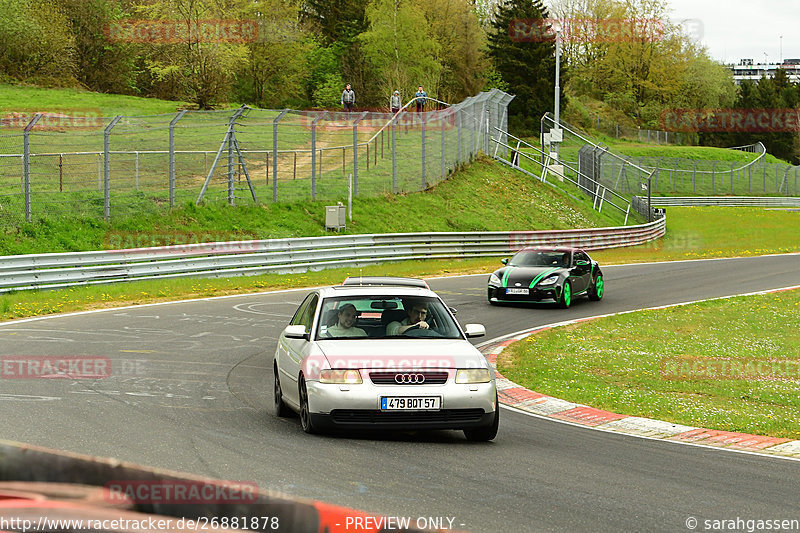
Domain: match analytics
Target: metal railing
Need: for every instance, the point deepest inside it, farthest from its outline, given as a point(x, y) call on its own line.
point(596, 191)
point(726, 201)
point(51, 271)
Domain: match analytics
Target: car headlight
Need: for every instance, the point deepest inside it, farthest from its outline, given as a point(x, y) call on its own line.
point(549, 281)
point(341, 377)
point(494, 280)
point(473, 375)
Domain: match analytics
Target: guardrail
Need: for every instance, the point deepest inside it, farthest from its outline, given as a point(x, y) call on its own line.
point(223, 259)
point(729, 201)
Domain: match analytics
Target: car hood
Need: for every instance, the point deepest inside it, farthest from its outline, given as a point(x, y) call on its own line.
point(512, 275)
point(401, 354)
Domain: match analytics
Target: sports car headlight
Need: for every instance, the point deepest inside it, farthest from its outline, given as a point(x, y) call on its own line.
point(473, 375)
point(549, 281)
point(341, 377)
point(494, 280)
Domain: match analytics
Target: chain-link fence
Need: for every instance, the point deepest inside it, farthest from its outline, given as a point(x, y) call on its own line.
point(127, 166)
point(619, 131)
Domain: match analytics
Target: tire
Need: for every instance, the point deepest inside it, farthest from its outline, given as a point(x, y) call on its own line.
point(566, 296)
point(486, 433)
point(279, 407)
point(305, 416)
point(489, 297)
point(597, 289)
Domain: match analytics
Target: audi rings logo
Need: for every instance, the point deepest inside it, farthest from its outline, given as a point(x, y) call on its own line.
point(403, 379)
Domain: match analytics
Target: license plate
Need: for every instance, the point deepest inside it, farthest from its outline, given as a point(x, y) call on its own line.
point(408, 403)
point(516, 291)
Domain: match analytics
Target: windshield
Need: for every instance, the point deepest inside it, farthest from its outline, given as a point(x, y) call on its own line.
point(541, 258)
point(383, 316)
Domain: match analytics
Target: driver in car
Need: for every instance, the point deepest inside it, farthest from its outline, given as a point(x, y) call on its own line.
point(417, 313)
point(345, 324)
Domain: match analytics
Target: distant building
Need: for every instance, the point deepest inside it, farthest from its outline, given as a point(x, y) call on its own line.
point(747, 70)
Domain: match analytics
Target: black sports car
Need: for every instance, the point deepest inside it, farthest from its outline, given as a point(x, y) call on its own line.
point(547, 274)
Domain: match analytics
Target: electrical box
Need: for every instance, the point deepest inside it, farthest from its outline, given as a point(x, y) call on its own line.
point(336, 217)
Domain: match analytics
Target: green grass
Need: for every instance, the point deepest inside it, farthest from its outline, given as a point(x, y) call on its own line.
point(646, 364)
point(473, 199)
point(709, 232)
point(25, 98)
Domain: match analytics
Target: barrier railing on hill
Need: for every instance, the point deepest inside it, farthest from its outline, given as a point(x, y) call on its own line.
point(223, 259)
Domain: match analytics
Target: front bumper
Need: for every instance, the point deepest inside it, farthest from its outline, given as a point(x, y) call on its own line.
point(463, 406)
point(550, 294)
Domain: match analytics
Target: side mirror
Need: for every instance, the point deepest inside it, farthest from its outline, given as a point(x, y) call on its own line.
point(296, 332)
point(474, 330)
point(504, 260)
point(453, 310)
point(581, 263)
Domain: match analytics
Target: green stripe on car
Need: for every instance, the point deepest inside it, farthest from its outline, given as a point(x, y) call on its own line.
point(541, 276)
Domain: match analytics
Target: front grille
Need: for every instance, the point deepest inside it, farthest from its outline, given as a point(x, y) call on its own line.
point(369, 416)
point(388, 378)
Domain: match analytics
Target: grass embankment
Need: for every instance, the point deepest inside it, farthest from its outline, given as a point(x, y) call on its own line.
point(730, 364)
point(21, 98)
point(484, 196)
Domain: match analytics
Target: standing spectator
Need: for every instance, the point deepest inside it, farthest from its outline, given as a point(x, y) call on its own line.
point(419, 99)
point(348, 98)
point(395, 102)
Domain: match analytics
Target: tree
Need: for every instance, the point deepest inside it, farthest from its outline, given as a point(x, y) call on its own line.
point(527, 66)
point(399, 47)
point(36, 42)
point(101, 65)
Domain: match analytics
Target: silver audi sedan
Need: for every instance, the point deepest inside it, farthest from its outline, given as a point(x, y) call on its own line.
point(383, 353)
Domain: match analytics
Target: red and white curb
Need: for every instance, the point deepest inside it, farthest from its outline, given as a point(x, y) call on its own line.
point(518, 397)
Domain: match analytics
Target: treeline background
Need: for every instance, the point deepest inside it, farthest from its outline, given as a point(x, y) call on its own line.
point(308, 50)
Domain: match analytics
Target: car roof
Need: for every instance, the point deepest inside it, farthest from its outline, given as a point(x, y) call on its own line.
point(385, 280)
point(375, 290)
point(560, 249)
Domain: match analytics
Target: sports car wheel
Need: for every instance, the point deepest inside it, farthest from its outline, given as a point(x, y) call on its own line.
point(279, 407)
point(485, 433)
point(305, 416)
point(597, 289)
point(566, 295)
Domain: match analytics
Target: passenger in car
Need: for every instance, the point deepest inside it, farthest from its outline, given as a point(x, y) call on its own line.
point(345, 325)
point(417, 313)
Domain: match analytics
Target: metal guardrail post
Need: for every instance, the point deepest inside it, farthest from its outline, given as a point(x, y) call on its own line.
point(355, 152)
point(172, 124)
point(26, 164)
point(275, 154)
point(107, 167)
point(314, 154)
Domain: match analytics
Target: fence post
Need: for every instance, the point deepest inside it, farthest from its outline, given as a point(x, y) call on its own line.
point(26, 164)
point(171, 159)
point(275, 154)
point(458, 127)
point(733, 164)
point(394, 153)
point(694, 178)
point(713, 178)
point(444, 145)
point(355, 152)
point(314, 154)
point(107, 167)
point(749, 179)
point(422, 118)
point(231, 195)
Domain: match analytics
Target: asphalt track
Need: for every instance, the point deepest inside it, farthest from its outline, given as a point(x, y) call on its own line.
point(191, 383)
